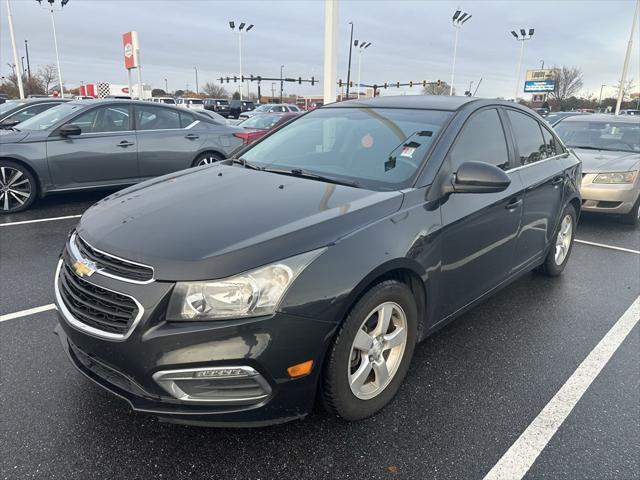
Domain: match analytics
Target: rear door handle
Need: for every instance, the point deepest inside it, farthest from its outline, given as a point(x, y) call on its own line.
point(191, 136)
point(125, 143)
point(513, 204)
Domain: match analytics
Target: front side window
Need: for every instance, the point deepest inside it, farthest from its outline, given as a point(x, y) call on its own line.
point(112, 118)
point(552, 148)
point(156, 118)
point(50, 117)
point(378, 148)
point(482, 140)
point(32, 111)
point(601, 134)
point(528, 137)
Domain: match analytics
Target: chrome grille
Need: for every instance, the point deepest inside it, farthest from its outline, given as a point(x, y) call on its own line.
point(113, 266)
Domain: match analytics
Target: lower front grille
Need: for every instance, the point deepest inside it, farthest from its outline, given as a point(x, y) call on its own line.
point(94, 306)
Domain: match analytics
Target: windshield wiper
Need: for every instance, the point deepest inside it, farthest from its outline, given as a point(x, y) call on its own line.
point(584, 147)
point(298, 172)
point(245, 164)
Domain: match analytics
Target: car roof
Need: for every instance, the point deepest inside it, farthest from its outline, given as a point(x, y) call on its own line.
point(604, 117)
point(427, 102)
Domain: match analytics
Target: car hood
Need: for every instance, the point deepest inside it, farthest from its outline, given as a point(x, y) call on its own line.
point(595, 161)
point(216, 221)
point(12, 136)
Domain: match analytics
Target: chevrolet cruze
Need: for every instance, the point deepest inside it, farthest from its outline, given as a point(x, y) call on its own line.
point(309, 265)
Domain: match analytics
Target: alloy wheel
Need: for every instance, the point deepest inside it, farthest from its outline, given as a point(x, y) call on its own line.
point(563, 240)
point(15, 189)
point(207, 160)
point(377, 350)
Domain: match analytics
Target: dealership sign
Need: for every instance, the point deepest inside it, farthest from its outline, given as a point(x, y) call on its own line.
point(531, 86)
point(131, 49)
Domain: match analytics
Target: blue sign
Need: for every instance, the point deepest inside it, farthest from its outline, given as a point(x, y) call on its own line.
point(535, 86)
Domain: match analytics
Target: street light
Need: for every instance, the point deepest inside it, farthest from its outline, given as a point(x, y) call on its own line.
point(522, 37)
point(15, 51)
point(166, 86)
point(362, 46)
point(197, 90)
point(281, 83)
point(55, 39)
point(349, 66)
point(241, 29)
point(459, 18)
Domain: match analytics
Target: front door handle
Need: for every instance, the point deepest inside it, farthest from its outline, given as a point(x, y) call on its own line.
point(125, 143)
point(191, 136)
point(557, 181)
point(513, 204)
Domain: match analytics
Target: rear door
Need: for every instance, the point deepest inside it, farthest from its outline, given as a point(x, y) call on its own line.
point(104, 153)
point(479, 229)
point(542, 174)
point(168, 139)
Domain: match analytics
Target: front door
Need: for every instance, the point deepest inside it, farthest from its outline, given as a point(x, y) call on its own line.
point(104, 153)
point(479, 229)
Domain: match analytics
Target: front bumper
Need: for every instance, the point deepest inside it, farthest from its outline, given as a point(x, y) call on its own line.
point(266, 346)
point(608, 198)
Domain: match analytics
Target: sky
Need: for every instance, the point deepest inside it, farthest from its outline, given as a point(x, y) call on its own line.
point(411, 40)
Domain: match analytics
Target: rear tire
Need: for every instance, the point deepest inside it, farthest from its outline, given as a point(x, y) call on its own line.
point(633, 217)
point(207, 158)
point(372, 352)
point(560, 250)
point(18, 187)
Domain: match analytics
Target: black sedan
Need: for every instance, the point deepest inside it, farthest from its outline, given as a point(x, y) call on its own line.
point(13, 112)
point(312, 264)
point(104, 143)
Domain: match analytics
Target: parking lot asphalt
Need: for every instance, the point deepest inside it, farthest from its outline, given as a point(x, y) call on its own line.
point(472, 390)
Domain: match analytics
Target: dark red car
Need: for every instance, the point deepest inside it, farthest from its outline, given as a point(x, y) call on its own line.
point(260, 124)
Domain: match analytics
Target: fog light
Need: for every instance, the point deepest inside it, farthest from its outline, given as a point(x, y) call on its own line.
point(300, 369)
point(228, 385)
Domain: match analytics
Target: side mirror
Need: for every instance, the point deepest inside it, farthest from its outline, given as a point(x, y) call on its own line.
point(9, 122)
point(479, 177)
point(70, 129)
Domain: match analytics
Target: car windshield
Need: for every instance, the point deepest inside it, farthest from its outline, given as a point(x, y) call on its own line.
point(168, 100)
point(10, 105)
point(377, 148)
point(601, 135)
point(50, 117)
point(222, 102)
point(264, 121)
point(262, 108)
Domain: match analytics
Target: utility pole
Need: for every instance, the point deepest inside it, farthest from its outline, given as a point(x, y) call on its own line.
point(281, 83)
point(15, 51)
point(166, 86)
point(329, 91)
point(26, 48)
point(626, 58)
point(349, 67)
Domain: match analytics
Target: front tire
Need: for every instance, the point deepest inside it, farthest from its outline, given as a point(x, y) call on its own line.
point(371, 353)
point(18, 187)
point(633, 217)
point(560, 250)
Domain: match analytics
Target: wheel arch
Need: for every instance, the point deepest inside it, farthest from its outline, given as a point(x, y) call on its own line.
point(208, 150)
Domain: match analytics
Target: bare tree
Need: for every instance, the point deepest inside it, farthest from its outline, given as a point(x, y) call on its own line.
point(568, 83)
point(434, 89)
point(214, 91)
point(47, 75)
point(627, 89)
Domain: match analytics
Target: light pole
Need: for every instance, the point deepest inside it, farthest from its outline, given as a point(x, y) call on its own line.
point(166, 86)
point(459, 18)
point(349, 67)
point(241, 28)
point(362, 46)
point(627, 57)
point(55, 40)
point(600, 97)
point(281, 83)
point(26, 48)
point(542, 65)
point(273, 90)
point(521, 37)
point(15, 51)
point(197, 90)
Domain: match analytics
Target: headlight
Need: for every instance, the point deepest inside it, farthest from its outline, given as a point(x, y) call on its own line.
point(250, 294)
point(615, 177)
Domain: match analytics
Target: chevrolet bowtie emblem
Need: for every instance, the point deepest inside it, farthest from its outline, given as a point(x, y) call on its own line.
point(84, 268)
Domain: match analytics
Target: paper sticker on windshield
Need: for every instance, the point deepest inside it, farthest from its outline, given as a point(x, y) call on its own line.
point(407, 151)
point(367, 141)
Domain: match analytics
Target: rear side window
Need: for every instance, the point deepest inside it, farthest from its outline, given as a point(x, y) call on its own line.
point(156, 118)
point(528, 136)
point(482, 140)
point(186, 119)
point(552, 147)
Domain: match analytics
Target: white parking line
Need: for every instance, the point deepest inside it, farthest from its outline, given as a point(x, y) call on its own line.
point(612, 247)
point(24, 313)
point(517, 461)
point(9, 224)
